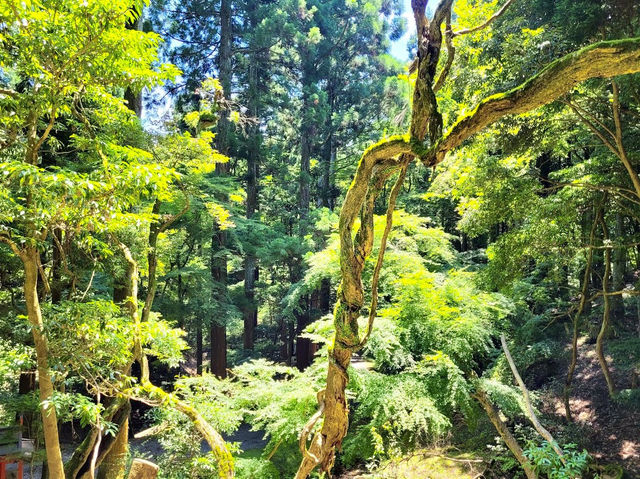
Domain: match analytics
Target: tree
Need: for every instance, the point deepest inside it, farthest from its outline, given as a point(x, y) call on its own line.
point(63, 59)
point(427, 142)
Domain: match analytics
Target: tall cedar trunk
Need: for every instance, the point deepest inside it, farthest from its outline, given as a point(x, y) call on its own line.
point(327, 193)
point(325, 297)
point(218, 330)
point(49, 418)
point(219, 352)
point(285, 354)
point(307, 136)
point(218, 355)
point(250, 313)
point(327, 198)
point(198, 344)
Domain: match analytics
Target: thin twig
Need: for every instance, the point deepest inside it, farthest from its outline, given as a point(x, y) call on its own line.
point(488, 22)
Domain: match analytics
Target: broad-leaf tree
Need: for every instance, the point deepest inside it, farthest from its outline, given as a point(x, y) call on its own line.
point(63, 64)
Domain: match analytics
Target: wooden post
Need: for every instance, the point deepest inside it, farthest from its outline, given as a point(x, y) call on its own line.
point(141, 469)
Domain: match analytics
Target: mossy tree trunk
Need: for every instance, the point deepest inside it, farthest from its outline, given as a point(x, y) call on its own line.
point(156, 395)
point(55, 466)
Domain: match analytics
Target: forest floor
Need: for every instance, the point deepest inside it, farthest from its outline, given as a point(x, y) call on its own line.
point(609, 430)
point(426, 464)
point(151, 449)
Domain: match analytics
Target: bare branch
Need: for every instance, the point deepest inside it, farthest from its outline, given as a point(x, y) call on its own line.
point(47, 130)
point(582, 115)
point(592, 117)
point(531, 413)
point(622, 152)
point(488, 22)
point(451, 53)
point(7, 92)
point(383, 244)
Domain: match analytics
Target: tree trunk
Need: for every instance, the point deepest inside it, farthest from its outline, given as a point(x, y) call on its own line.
point(56, 268)
point(327, 197)
point(505, 434)
point(219, 241)
point(256, 59)
point(218, 328)
point(115, 462)
point(619, 262)
point(285, 353)
point(49, 418)
point(134, 100)
point(307, 134)
point(582, 309)
point(304, 353)
point(219, 350)
point(250, 312)
point(198, 344)
point(604, 327)
point(159, 396)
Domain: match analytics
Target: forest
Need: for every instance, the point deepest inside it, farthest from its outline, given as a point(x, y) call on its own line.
point(281, 239)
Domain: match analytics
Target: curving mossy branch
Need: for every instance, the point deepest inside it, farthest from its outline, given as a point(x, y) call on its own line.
point(601, 60)
point(426, 142)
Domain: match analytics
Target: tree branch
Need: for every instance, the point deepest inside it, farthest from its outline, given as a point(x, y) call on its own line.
point(600, 60)
point(488, 22)
point(7, 92)
point(531, 413)
point(622, 152)
point(14, 247)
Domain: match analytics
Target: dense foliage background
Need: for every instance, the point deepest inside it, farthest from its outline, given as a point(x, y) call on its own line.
point(171, 176)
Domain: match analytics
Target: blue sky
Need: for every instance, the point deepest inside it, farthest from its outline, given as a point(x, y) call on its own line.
point(399, 47)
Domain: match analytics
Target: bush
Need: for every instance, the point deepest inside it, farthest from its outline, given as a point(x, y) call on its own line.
point(546, 460)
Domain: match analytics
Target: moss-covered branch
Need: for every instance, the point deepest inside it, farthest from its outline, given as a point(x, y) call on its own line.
point(600, 60)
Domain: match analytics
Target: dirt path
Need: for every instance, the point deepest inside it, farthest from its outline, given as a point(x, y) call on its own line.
point(610, 431)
